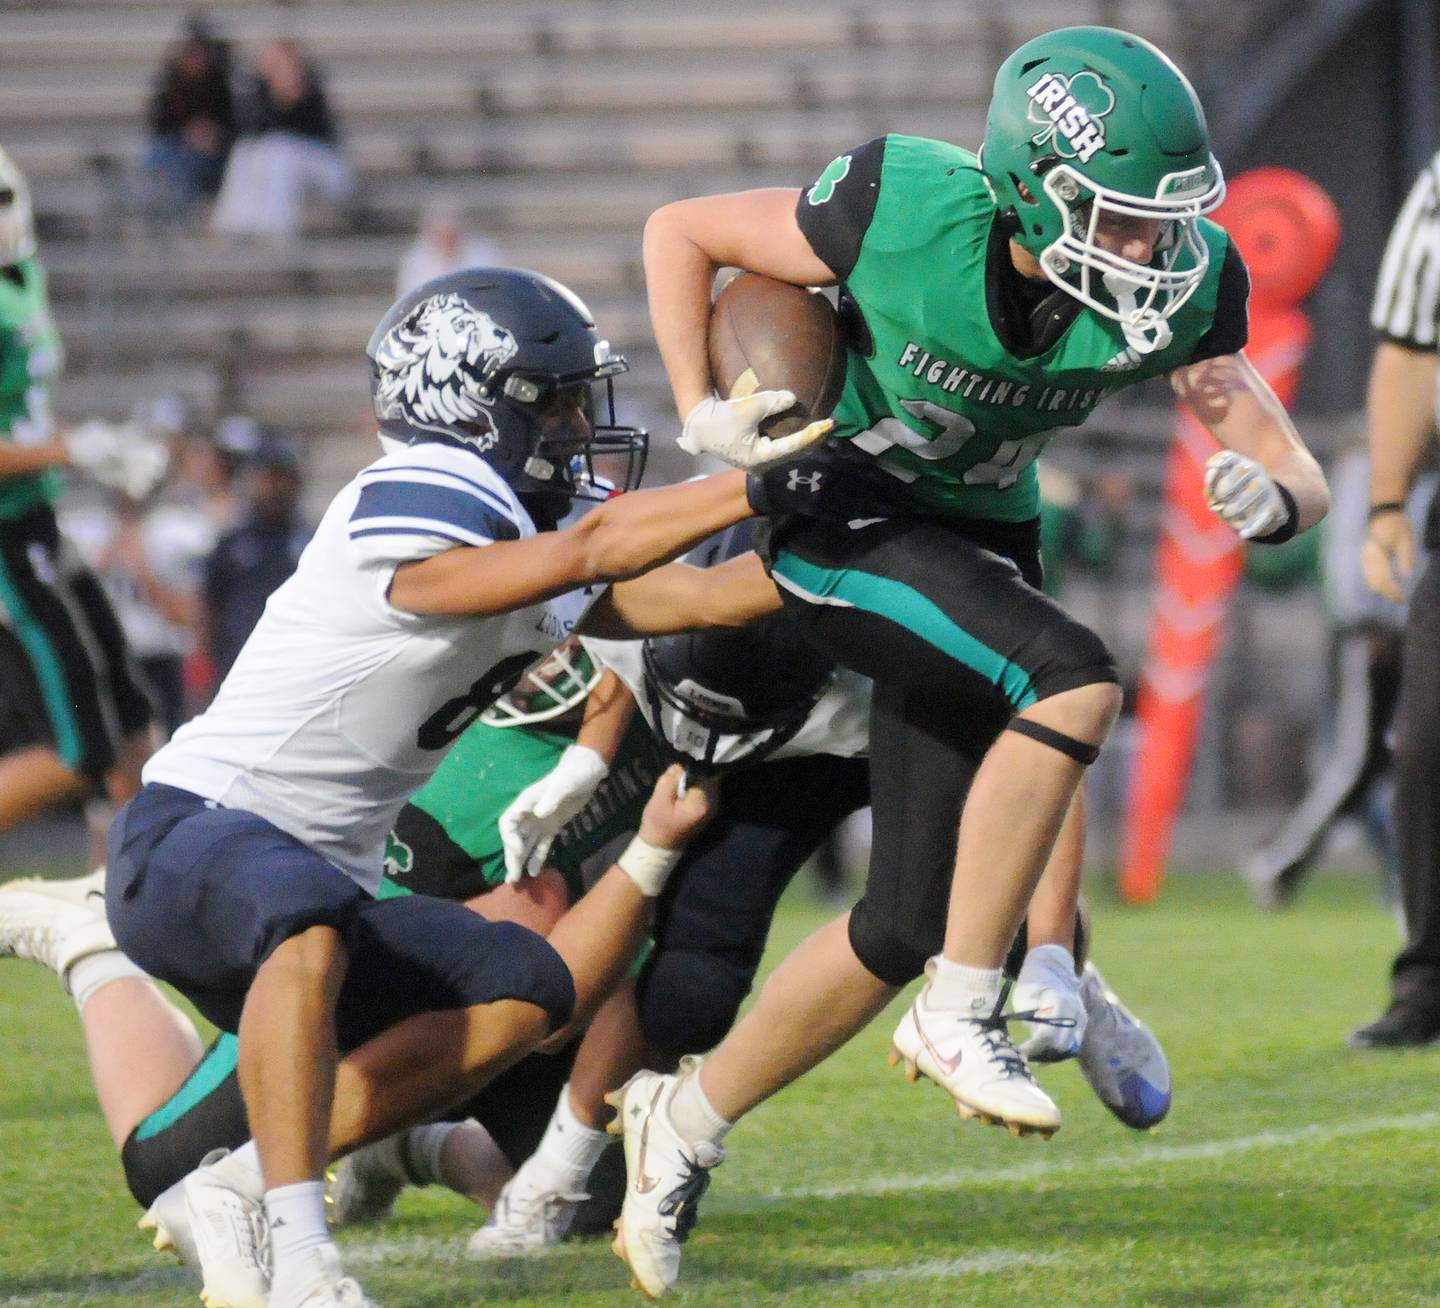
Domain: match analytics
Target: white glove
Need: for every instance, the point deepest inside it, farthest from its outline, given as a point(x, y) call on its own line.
point(730, 430)
point(1049, 988)
point(537, 814)
point(1243, 495)
point(122, 456)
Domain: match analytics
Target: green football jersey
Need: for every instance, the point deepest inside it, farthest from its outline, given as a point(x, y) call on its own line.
point(477, 781)
point(29, 360)
point(937, 396)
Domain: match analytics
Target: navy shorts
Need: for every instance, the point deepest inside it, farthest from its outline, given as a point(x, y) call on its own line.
point(199, 896)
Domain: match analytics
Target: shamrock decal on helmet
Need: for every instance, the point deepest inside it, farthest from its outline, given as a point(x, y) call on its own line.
point(1069, 111)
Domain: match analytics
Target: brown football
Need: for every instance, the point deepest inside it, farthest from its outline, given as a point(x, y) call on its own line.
point(767, 335)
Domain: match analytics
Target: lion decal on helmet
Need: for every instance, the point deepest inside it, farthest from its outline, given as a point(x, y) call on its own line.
point(436, 365)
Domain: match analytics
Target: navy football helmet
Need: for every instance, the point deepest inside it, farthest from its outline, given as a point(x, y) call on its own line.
point(733, 695)
point(505, 362)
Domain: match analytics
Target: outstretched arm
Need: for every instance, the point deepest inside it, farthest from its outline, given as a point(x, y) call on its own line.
point(682, 598)
point(620, 538)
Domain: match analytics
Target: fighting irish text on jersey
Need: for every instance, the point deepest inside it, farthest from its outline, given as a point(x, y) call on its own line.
point(933, 392)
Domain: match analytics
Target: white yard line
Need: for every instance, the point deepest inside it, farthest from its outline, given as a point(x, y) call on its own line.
point(450, 1249)
point(943, 1269)
point(1042, 1169)
point(143, 1285)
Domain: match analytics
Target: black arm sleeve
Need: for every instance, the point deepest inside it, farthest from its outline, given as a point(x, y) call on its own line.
point(835, 212)
point(1231, 327)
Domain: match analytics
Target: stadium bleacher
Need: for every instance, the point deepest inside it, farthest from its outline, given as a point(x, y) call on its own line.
point(557, 128)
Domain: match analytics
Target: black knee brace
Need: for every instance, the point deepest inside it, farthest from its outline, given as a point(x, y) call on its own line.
point(687, 1000)
point(1079, 750)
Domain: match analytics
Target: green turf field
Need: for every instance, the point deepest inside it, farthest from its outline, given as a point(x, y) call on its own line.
point(1290, 1172)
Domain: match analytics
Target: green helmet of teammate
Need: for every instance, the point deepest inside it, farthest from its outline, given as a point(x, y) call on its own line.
point(1088, 124)
point(17, 222)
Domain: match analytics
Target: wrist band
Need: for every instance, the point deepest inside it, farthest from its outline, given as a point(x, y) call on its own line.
point(1389, 506)
point(1287, 529)
point(647, 865)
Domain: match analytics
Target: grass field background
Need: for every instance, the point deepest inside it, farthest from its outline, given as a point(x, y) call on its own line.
point(1290, 1172)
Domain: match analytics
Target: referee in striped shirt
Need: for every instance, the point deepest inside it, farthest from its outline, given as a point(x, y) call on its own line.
point(1401, 421)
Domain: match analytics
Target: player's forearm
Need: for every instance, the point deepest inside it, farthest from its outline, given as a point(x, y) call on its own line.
point(632, 533)
point(682, 598)
point(1237, 406)
point(1400, 409)
point(678, 277)
point(19, 460)
point(609, 709)
point(1298, 472)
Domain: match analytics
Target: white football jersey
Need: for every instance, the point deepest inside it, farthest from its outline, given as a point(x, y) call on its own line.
point(340, 706)
point(838, 724)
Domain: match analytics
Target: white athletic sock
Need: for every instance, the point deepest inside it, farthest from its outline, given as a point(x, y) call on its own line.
point(420, 1152)
point(297, 1223)
point(568, 1151)
point(953, 985)
point(94, 972)
point(693, 1115)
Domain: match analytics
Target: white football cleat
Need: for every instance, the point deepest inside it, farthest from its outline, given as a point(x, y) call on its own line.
point(323, 1286)
point(1121, 1058)
point(53, 923)
point(86, 892)
point(167, 1218)
point(360, 1190)
point(665, 1180)
point(1047, 999)
point(528, 1217)
point(230, 1235)
point(969, 1054)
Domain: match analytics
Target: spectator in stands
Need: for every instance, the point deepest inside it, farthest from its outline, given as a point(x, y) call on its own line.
point(251, 561)
point(149, 558)
point(288, 149)
point(191, 119)
point(443, 245)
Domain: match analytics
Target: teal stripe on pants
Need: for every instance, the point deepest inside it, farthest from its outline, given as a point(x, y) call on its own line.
point(888, 598)
point(49, 671)
point(208, 1074)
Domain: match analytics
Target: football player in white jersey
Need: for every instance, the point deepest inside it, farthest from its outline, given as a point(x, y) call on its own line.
point(243, 872)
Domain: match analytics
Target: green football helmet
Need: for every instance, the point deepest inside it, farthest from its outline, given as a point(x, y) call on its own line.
point(548, 689)
point(17, 221)
point(1088, 123)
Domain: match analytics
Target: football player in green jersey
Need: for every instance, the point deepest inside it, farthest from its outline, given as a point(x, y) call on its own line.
point(74, 718)
point(992, 299)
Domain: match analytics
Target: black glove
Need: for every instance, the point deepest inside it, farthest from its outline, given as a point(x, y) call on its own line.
point(825, 483)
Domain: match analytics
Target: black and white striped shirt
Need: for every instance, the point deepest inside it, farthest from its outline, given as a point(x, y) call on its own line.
point(1406, 309)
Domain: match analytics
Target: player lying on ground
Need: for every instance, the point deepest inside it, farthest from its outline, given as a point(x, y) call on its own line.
point(244, 872)
point(993, 300)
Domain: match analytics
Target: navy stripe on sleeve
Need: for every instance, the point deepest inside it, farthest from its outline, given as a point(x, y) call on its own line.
point(440, 505)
